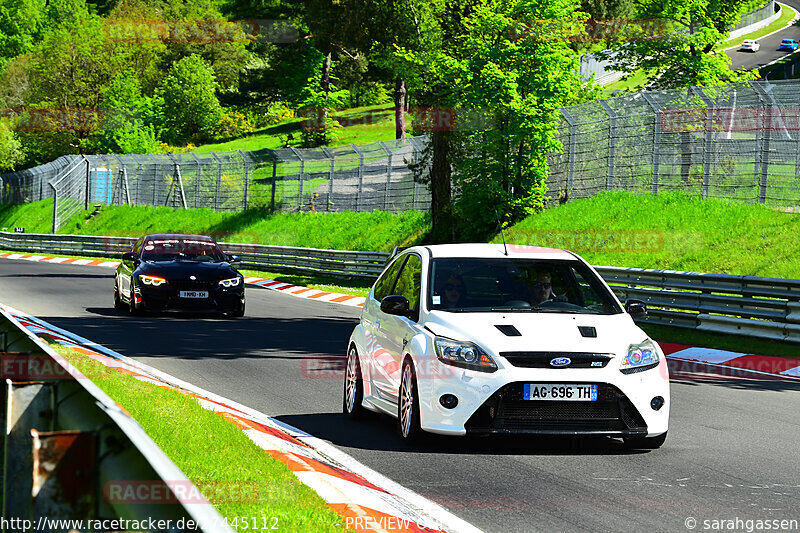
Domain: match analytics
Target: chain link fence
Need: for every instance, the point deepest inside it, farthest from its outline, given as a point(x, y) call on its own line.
point(737, 141)
point(355, 178)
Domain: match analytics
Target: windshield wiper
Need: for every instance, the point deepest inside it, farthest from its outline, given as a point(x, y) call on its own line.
point(516, 309)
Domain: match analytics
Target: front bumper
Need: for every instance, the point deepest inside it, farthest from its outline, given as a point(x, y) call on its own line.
point(492, 403)
point(165, 298)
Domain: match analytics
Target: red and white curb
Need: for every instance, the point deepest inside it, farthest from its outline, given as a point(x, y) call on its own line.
point(286, 288)
point(367, 500)
point(685, 360)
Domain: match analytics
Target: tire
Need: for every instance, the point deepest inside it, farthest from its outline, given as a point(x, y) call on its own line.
point(353, 386)
point(408, 405)
point(132, 304)
point(238, 313)
point(119, 305)
point(645, 443)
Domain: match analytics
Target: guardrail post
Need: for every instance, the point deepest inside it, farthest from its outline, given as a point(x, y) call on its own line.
point(330, 176)
point(274, 180)
point(300, 182)
point(612, 142)
point(388, 175)
point(219, 180)
point(246, 179)
point(709, 139)
point(360, 177)
point(656, 138)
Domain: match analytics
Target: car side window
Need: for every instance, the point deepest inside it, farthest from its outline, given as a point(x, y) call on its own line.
point(409, 282)
point(385, 283)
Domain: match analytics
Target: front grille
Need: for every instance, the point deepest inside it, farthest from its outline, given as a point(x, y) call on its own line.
point(507, 411)
point(542, 359)
point(192, 285)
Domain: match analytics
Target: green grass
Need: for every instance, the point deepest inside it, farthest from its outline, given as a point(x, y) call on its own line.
point(376, 230)
point(360, 125)
point(352, 286)
point(671, 231)
point(636, 81)
point(202, 443)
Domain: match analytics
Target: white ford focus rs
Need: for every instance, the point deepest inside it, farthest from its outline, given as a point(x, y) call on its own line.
point(474, 338)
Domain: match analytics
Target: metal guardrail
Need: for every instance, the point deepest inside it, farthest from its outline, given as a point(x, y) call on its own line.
point(65, 442)
point(767, 308)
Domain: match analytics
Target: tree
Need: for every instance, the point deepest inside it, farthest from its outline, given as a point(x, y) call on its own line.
point(131, 121)
point(11, 153)
point(191, 108)
point(676, 49)
point(505, 87)
point(21, 25)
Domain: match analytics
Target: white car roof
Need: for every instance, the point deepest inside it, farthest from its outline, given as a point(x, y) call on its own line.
point(484, 250)
point(749, 41)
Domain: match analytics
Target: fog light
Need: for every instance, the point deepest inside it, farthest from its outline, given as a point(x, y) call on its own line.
point(657, 403)
point(448, 401)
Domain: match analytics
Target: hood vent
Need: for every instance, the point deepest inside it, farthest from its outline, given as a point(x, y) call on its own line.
point(509, 330)
point(588, 331)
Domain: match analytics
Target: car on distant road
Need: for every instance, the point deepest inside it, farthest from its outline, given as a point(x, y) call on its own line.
point(789, 45)
point(749, 45)
point(178, 272)
point(483, 339)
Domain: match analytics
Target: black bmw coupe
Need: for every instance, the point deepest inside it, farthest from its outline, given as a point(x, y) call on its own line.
point(178, 272)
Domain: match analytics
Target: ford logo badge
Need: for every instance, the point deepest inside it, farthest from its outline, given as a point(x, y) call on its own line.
point(560, 361)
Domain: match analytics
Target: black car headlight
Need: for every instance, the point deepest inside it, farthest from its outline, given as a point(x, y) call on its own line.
point(231, 282)
point(155, 281)
point(463, 354)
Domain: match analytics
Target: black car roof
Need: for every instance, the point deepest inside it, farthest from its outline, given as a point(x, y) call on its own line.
point(178, 236)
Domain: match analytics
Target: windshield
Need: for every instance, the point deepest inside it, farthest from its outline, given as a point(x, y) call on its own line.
point(517, 285)
point(182, 249)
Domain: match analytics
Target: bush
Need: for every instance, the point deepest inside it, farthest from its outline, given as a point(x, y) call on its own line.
point(233, 124)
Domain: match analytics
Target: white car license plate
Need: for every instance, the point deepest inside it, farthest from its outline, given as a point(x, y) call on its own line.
point(562, 392)
point(193, 294)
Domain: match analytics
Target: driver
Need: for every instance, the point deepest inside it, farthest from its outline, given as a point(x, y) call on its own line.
point(540, 287)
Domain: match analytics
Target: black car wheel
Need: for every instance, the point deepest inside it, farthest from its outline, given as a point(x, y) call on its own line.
point(119, 305)
point(239, 312)
point(408, 406)
point(353, 386)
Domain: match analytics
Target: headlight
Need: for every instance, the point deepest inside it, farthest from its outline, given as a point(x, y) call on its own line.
point(463, 354)
point(640, 357)
point(155, 281)
point(232, 282)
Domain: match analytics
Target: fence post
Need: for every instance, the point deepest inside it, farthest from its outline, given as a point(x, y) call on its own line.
point(709, 139)
point(766, 129)
point(656, 137)
point(124, 172)
point(330, 176)
point(612, 142)
point(197, 180)
point(388, 175)
point(55, 207)
point(360, 177)
point(302, 172)
point(86, 195)
point(219, 180)
point(573, 141)
point(416, 150)
point(179, 178)
point(246, 179)
point(274, 180)
point(155, 179)
point(138, 177)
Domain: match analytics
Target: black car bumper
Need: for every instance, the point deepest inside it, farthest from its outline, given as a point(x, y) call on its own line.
point(167, 298)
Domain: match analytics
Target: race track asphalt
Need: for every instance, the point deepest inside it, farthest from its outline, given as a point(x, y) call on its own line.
point(769, 46)
point(731, 452)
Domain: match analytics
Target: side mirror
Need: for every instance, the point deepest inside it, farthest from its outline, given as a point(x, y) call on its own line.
point(395, 305)
point(636, 308)
point(234, 259)
point(129, 256)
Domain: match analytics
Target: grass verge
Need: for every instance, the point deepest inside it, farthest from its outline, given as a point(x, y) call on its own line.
point(201, 443)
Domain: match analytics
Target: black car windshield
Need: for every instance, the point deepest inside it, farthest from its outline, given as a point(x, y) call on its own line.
point(182, 249)
point(473, 285)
